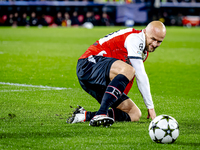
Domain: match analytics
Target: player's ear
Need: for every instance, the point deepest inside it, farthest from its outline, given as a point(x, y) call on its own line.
point(144, 30)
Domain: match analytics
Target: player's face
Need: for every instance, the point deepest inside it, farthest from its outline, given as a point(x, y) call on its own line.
point(153, 40)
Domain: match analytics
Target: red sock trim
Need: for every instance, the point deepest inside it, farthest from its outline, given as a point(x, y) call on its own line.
point(85, 116)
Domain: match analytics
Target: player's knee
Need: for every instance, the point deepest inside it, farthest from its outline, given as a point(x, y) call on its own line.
point(136, 115)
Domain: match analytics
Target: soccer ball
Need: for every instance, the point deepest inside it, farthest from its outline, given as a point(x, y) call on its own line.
point(164, 129)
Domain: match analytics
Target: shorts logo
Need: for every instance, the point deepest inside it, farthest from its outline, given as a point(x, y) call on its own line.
point(91, 59)
point(141, 46)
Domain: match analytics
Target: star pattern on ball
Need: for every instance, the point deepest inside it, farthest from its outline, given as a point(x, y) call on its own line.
point(166, 117)
point(168, 131)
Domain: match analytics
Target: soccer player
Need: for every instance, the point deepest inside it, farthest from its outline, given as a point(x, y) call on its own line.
point(107, 69)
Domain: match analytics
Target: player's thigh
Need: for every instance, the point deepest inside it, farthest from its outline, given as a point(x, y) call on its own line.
point(131, 109)
point(120, 67)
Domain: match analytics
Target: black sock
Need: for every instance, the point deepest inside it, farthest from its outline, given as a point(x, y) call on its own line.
point(114, 113)
point(113, 92)
point(118, 115)
point(90, 115)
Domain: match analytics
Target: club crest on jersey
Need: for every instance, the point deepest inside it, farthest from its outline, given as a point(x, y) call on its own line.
point(141, 46)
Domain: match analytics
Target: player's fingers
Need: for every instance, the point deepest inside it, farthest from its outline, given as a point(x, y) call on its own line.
point(148, 116)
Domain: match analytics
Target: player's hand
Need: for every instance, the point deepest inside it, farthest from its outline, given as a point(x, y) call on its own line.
point(151, 113)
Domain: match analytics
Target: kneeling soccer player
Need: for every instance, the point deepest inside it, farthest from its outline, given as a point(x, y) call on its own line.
point(107, 69)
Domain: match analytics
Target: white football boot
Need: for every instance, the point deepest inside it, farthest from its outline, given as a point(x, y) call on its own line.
point(79, 115)
point(101, 120)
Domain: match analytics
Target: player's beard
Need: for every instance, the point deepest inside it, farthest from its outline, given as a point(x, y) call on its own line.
point(150, 48)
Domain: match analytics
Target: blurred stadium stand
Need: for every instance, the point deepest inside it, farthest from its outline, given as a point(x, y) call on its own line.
point(99, 12)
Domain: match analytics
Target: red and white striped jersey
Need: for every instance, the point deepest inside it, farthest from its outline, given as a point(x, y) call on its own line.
point(122, 44)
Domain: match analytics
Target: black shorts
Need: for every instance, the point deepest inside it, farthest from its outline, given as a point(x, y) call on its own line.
point(93, 75)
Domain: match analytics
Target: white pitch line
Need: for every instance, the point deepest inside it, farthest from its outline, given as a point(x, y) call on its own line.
point(23, 90)
point(36, 86)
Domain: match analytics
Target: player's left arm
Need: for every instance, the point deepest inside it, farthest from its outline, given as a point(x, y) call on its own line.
point(143, 85)
point(136, 57)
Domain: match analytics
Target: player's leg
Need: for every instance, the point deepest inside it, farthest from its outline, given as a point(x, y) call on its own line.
point(129, 107)
point(124, 109)
point(120, 67)
point(93, 75)
point(120, 74)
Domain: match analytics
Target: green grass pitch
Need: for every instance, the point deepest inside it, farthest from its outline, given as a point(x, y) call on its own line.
point(33, 112)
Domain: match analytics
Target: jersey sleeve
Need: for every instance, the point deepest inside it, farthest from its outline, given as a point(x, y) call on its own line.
point(135, 46)
point(142, 82)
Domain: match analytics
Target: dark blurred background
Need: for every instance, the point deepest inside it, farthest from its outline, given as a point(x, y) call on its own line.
point(99, 12)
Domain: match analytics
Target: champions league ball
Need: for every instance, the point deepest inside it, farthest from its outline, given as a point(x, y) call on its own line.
point(164, 129)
